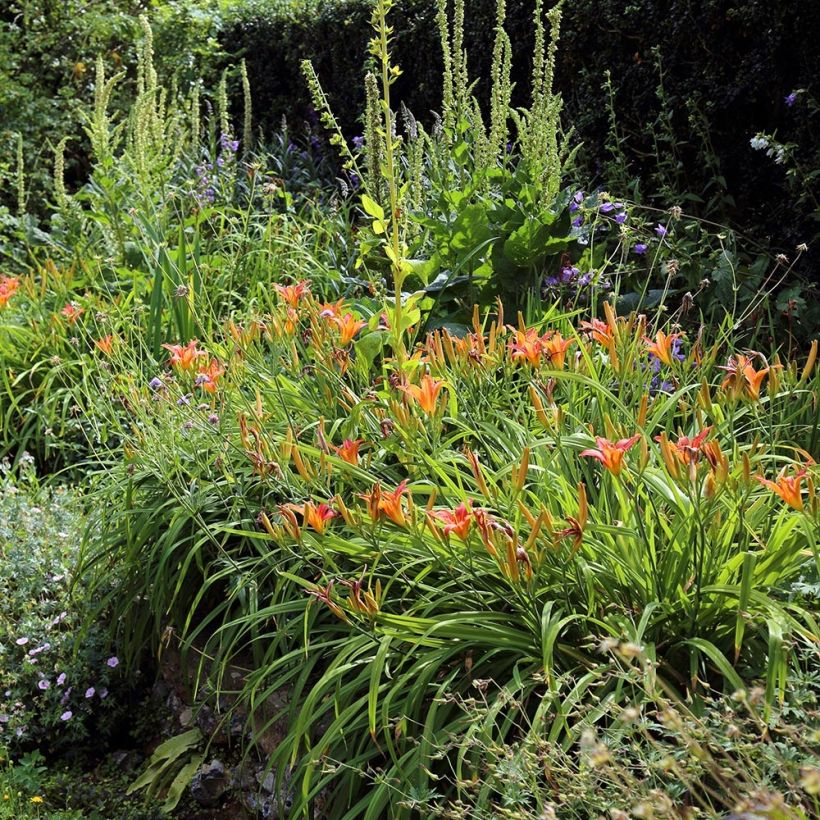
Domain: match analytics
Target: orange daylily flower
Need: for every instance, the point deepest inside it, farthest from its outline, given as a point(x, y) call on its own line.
point(556, 348)
point(71, 313)
point(528, 346)
point(348, 326)
point(426, 394)
point(389, 504)
point(8, 287)
point(208, 377)
point(685, 449)
point(611, 453)
point(314, 516)
point(576, 527)
point(742, 376)
point(293, 294)
point(323, 594)
point(362, 600)
point(456, 521)
point(599, 330)
point(184, 357)
point(105, 345)
point(787, 487)
point(661, 347)
point(754, 379)
point(331, 310)
point(349, 450)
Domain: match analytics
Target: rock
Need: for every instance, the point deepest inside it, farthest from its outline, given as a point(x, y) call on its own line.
point(206, 720)
point(126, 760)
point(209, 783)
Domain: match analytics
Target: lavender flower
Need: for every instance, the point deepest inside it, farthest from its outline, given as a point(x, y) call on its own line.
point(660, 230)
point(21, 641)
point(227, 144)
point(43, 684)
point(155, 383)
point(640, 248)
point(790, 99)
point(89, 693)
point(61, 679)
point(607, 207)
point(578, 221)
point(620, 218)
point(113, 661)
point(103, 693)
point(67, 715)
point(358, 142)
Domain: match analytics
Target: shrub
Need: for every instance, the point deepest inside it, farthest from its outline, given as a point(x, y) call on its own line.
point(57, 691)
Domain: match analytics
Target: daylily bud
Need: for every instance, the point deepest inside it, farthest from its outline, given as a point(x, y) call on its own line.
point(807, 370)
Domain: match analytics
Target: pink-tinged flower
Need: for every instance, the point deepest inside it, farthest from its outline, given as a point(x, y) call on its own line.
point(67, 715)
point(313, 515)
point(61, 679)
point(456, 521)
point(43, 684)
point(528, 346)
point(89, 693)
point(184, 357)
point(113, 661)
point(685, 449)
point(21, 641)
point(71, 313)
point(293, 294)
point(598, 330)
point(611, 454)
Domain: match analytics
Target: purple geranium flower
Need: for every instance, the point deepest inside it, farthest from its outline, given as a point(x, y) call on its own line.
point(358, 142)
point(113, 661)
point(660, 230)
point(790, 99)
point(578, 221)
point(640, 248)
point(607, 207)
point(21, 641)
point(89, 693)
point(67, 715)
point(155, 383)
point(43, 684)
point(61, 679)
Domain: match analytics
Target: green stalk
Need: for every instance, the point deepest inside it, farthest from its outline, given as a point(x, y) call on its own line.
point(390, 172)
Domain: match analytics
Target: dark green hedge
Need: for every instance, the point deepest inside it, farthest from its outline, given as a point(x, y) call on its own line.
point(735, 61)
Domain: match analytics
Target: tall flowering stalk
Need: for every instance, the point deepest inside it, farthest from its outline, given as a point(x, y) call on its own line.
point(380, 49)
